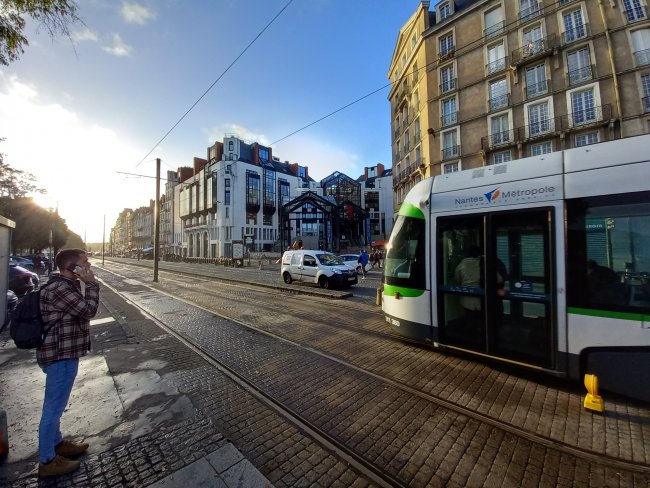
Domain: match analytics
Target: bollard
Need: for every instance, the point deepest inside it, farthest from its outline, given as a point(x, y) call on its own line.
point(380, 291)
point(4, 436)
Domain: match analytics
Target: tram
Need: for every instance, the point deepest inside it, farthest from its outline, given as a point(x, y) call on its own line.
point(542, 262)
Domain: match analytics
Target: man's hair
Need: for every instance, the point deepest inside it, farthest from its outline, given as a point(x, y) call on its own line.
point(66, 256)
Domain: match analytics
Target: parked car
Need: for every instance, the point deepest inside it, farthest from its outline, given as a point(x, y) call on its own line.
point(319, 267)
point(21, 280)
point(352, 260)
point(22, 262)
point(40, 262)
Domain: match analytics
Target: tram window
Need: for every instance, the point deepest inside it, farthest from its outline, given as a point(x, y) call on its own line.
point(609, 252)
point(404, 264)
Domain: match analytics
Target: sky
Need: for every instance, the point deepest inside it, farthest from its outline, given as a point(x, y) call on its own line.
point(79, 113)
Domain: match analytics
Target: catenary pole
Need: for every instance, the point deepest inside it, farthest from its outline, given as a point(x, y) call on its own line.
point(156, 235)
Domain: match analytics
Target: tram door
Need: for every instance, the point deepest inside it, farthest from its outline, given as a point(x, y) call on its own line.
point(495, 285)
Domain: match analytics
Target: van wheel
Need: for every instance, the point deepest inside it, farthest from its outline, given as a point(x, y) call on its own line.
point(323, 282)
point(287, 278)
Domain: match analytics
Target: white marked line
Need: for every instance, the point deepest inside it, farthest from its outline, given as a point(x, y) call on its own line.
point(105, 320)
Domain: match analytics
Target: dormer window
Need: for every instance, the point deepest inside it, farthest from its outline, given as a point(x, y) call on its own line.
point(444, 10)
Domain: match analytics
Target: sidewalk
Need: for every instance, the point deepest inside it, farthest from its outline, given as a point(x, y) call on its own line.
point(142, 431)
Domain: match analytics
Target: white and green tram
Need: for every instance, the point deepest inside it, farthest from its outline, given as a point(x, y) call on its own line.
point(561, 248)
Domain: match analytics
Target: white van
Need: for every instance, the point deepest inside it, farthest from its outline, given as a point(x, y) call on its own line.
point(319, 267)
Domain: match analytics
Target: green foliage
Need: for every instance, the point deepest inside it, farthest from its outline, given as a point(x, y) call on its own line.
point(33, 225)
point(53, 15)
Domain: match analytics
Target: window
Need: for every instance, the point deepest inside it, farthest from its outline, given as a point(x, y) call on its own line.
point(450, 148)
point(447, 80)
point(536, 81)
point(444, 10)
point(634, 11)
point(579, 66)
point(226, 193)
point(574, 26)
point(497, 60)
point(231, 145)
point(641, 46)
point(498, 94)
point(446, 45)
point(582, 104)
point(500, 130)
point(501, 157)
point(494, 22)
point(450, 168)
point(645, 85)
point(609, 235)
point(586, 139)
point(541, 148)
point(538, 119)
point(252, 188)
point(449, 112)
point(263, 154)
point(533, 42)
point(529, 9)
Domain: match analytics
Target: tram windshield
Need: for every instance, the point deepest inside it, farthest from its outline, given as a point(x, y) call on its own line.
point(404, 264)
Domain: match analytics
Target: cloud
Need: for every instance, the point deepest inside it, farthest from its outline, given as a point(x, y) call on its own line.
point(85, 35)
point(134, 13)
point(73, 158)
point(119, 47)
point(321, 158)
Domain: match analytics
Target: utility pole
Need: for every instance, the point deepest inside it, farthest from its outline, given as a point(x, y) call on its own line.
point(103, 239)
point(156, 234)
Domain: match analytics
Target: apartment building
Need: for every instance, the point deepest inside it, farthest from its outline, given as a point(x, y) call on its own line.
point(497, 80)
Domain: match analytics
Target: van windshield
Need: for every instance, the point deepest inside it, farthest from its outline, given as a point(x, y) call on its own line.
point(329, 259)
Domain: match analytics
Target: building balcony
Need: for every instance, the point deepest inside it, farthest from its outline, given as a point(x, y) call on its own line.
point(494, 30)
point(581, 75)
point(646, 104)
point(496, 66)
point(642, 58)
point(537, 129)
point(537, 89)
point(447, 53)
point(448, 85)
point(635, 14)
point(498, 140)
point(449, 119)
point(531, 12)
point(534, 50)
point(575, 34)
point(450, 152)
point(585, 118)
point(499, 102)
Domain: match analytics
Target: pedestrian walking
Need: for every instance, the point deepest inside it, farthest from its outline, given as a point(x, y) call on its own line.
point(68, 310)
point(363, 260)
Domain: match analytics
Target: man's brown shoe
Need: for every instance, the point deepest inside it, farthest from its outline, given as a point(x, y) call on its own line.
point(70, 449)
point(57, 466)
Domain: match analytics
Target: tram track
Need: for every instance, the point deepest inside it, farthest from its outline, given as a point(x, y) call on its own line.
point(550, 443)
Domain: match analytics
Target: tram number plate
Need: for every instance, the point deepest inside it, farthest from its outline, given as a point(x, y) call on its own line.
point(391, 321)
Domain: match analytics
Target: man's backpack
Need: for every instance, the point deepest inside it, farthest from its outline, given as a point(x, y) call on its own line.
point(27, 328)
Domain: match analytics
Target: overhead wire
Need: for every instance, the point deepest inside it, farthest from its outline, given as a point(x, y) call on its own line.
point(217, 80)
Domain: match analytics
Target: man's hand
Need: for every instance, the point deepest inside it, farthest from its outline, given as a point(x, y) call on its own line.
point(86, 275)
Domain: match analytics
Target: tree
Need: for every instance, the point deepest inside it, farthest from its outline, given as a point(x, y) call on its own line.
point(33, 225)
point(53, 15)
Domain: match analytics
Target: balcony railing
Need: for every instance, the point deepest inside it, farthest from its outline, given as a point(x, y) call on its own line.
point(494, 30)
point(562, 123)
point(450, 152)
point(449, 119)
point(448, 85)
point(581, 75)
point(496, 66)
point(537, 89)
point(578, 32)
point(446, 53)
point(530, 12)
point(635, 14)
point(646, 104)
point(534, 49)
point(499, 102)
point(642, 58)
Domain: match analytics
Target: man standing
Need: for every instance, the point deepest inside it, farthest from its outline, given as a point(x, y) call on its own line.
point(68, 310)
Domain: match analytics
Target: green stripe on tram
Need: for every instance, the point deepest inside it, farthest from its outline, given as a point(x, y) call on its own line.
point(410, 210)
point(405, 292)
point(608, 314)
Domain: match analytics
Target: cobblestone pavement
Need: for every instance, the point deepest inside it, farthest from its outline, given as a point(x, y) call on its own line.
point(415, 440)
